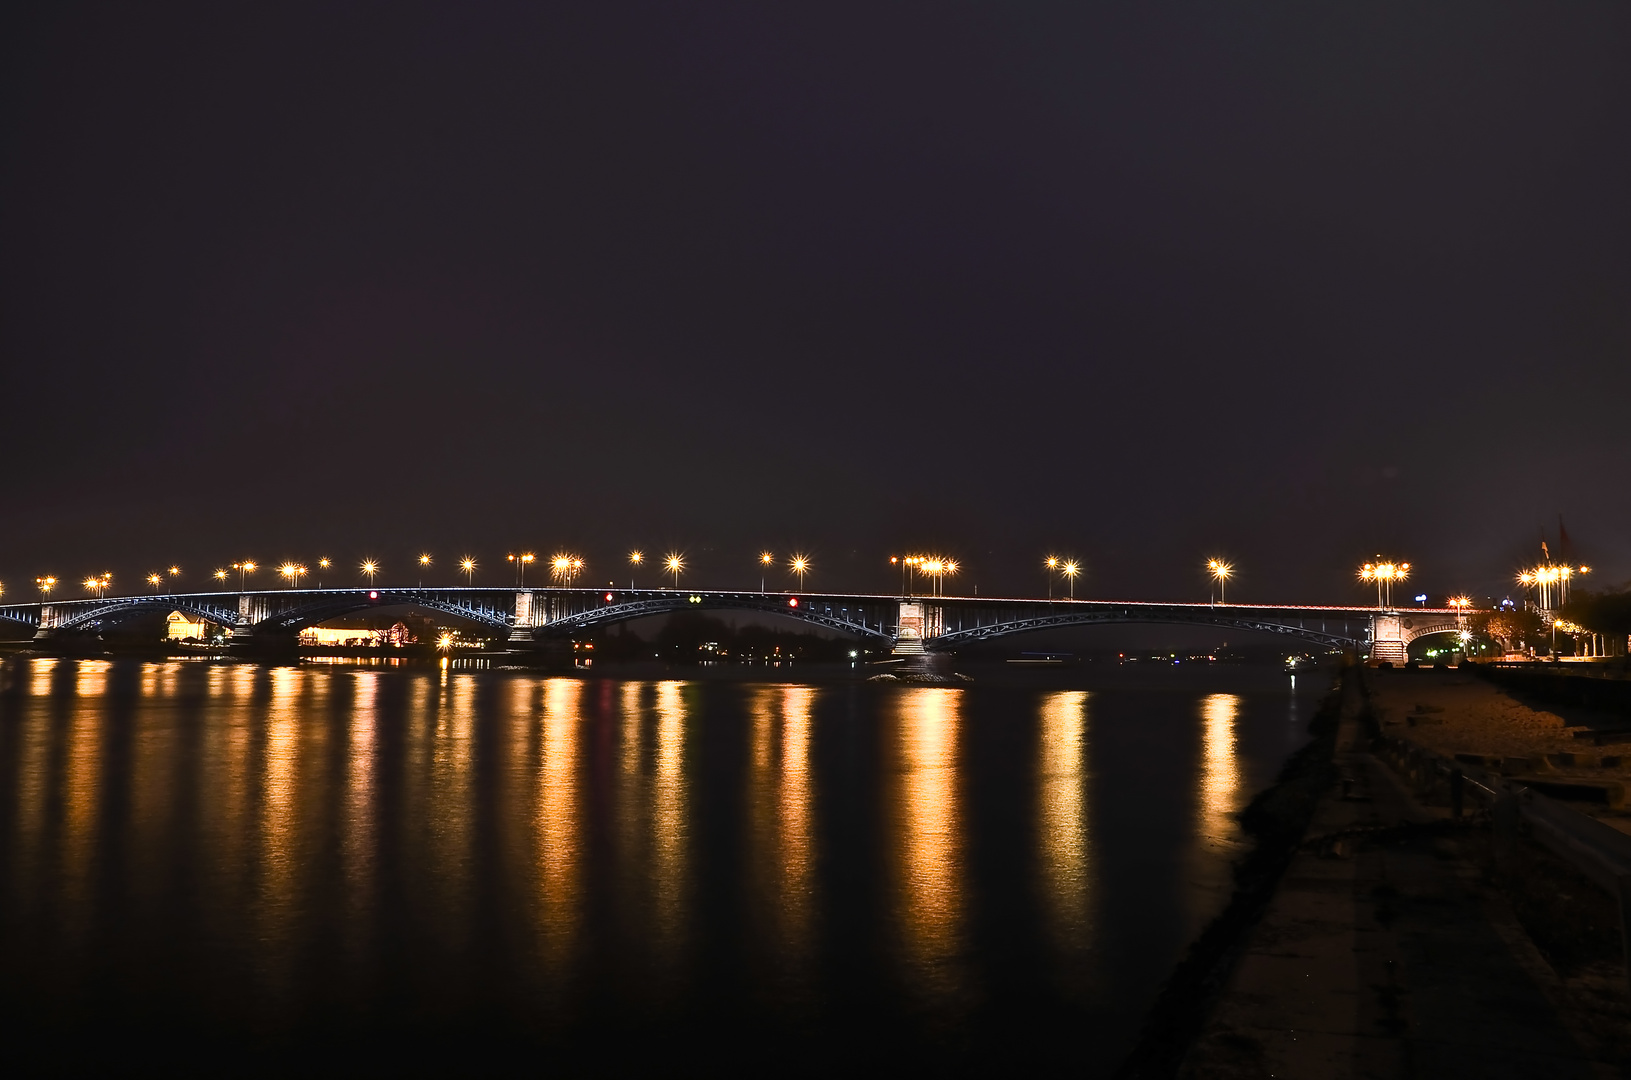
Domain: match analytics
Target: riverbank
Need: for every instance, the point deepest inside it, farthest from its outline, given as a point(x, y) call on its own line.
point(1383, 940)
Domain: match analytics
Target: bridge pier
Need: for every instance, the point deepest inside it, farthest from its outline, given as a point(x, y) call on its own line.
point(916, 625)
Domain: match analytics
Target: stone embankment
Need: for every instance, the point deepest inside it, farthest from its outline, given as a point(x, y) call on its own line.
point(1398, 938)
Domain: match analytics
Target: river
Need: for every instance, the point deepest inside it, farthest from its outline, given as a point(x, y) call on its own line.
point(208, 862)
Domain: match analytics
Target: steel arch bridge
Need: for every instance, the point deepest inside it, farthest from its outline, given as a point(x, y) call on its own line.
point(531, 616)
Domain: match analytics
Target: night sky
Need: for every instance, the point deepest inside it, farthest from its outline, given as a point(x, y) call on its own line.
point(1293, 285)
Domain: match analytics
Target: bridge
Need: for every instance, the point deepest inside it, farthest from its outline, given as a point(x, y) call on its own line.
point(528, 618)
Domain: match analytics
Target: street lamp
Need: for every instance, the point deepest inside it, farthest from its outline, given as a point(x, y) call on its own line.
point(369, 568)
point(521, 562)
point(635, 559)
point(292, 571)
point(424, 564)
point(800, 565)
point(245, 567)
point(45, 585)
point(765, 559)
point(565, 568)
point(221, 576)
point(675, 564)
point(1070, 570)
point(1052, 563)
point(155, 580)
point(175, 572)
point(322, 564)
point(1220, 572)
point(468, 566)
point(1384, 574)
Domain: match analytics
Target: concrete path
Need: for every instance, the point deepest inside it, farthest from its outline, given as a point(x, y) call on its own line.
point(1380, 956)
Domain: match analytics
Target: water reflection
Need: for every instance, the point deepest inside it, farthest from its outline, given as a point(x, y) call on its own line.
point(1220, 770)
point(1063, 775)
point(560, 821)
point(779, 809)
point(323, 848)
point(277, 827)
point(668, 821)
point(928, 843)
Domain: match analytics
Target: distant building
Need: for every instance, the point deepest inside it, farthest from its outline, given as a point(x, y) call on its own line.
point(183, 627)
point(396, 636)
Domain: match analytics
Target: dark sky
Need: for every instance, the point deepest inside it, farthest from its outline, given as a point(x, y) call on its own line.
point(1295, 284)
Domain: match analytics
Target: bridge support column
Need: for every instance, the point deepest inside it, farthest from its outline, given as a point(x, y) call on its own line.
point(916, 624)
point(1387, 639)
point(48, 623)
point(521, 625)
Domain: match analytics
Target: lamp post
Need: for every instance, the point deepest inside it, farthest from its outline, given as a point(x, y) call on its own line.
point(245, 567)
point(1070, 570)
point(765, 559)
point(369, 568)
point(675, 564)
point(292, 571)
point(1384, 574)
point(175, 572)
point(424, 564)
point(635, 559)
point(1220, 571)
point(155, 580)
point(467, 566)
point(1052, 563)
point(45, 585)
point(800, 565)
point(322, 564)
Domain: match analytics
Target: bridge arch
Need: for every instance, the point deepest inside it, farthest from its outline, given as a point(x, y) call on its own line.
point(1343, 635)
point(857, 621)
point(291, 614)
point(113, 614)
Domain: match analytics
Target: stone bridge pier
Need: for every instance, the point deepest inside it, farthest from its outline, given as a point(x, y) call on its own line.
point(1392, 632)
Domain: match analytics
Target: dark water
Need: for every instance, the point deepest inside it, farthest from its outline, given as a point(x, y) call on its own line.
point(340, 868)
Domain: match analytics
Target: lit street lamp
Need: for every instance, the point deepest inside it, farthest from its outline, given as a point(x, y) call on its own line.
point(765, 559)
point(521, 562)
point(424, 564)
point(45, 585)
point(155, 580)
point(635, 559)
point(292, 571)
point(565, 568)
point(1384, 574)
point(245, 567)
point(675, 564)
point(1070, 570)
point(369, 568)
point(468, 566)
point(221, 576)
point(175, 572)
point(800, 565)
point(1220, 572)
point(322, 564)
point(1052, 563)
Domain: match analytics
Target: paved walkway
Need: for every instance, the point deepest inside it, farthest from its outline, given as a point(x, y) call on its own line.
point(1380, 956)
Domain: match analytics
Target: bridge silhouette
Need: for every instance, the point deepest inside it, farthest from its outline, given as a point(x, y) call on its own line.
point(271, 620)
